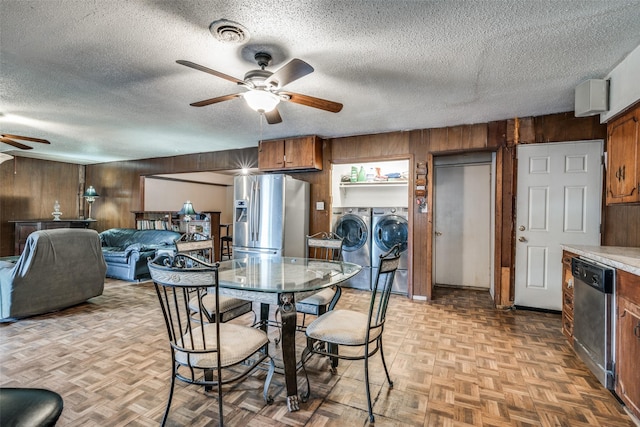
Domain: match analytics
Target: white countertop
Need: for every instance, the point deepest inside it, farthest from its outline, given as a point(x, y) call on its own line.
point(626, 259)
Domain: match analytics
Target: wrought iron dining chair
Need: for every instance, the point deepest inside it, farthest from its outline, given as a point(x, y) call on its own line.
point(326, 246)
point(351, 328)
point(208, 354)
point(201, 247)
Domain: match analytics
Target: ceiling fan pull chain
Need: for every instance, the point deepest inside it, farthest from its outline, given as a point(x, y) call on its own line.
point(261, 117)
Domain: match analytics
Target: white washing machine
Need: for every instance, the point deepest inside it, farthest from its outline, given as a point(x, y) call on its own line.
point(388, 227)
point(354, 225)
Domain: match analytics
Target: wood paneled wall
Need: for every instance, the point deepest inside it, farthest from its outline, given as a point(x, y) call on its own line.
point(621, 226)
point(120, 188)
point(30, 187)
point(119, 183)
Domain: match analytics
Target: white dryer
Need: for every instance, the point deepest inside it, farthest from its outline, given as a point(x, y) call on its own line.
point(353, 225)
point(388, 227)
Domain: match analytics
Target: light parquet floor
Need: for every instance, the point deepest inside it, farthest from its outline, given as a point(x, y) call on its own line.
point(454, 361)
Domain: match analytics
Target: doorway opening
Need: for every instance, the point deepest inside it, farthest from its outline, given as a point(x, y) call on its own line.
point(464, 222)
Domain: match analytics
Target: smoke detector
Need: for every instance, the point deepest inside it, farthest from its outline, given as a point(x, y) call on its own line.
point(229, 32)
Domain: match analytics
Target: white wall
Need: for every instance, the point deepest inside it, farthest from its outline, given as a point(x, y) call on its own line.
point(624, 85)
point(162, 194)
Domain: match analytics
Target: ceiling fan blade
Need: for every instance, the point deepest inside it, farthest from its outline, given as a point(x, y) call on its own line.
point(15, 144)
point(289, 72)
point(210, 71)
point(26, 138)
point(273, 117)
point(311, 101)
point(215, 100)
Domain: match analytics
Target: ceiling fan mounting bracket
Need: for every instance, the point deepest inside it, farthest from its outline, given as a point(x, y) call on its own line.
point(263, 59)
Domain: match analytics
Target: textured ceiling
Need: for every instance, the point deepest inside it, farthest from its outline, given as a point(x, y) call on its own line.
point(98, 78)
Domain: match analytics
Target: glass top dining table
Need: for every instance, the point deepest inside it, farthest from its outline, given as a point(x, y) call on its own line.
point(269, 279)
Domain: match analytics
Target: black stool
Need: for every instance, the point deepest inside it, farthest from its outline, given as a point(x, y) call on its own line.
point(29, 407)
point(226, 241)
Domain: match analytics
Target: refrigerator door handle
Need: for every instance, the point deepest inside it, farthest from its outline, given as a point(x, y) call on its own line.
point(252, 231)
point(256, 211)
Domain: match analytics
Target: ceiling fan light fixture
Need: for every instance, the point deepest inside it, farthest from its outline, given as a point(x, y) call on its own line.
point(261, 100)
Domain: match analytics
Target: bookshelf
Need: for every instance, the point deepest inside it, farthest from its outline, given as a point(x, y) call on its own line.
point(157, 220)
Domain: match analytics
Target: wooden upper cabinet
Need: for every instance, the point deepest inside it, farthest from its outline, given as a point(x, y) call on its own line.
point(304, 153)
point(623, 151)
point(271, 155)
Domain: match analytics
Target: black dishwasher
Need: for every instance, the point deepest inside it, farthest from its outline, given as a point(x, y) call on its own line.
point(594, 317)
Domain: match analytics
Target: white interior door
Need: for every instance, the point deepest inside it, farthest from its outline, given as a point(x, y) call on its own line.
point(558, 202)
point(462, 215)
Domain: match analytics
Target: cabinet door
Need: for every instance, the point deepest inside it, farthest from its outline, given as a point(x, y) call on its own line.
point(628, 354)
point(271, 155)
point(623, 156)
point(303, 153)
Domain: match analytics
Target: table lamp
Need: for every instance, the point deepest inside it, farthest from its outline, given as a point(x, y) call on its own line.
point(90, 196)
point(187, 210)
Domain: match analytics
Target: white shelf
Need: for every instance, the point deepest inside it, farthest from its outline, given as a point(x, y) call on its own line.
point(374, 184)
point(369, 186)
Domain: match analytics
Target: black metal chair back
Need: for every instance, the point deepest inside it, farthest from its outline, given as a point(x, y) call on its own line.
point(351, 328)
point(204, 353)
point(326, 246)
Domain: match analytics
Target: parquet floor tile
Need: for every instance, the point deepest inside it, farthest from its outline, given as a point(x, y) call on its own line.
point(455, 361)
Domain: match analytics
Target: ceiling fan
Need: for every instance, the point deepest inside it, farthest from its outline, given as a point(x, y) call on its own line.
point(9, 139)
point(264, 88)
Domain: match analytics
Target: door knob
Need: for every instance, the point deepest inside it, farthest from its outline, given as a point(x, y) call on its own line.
point(522, 239)
point(438, 233)
point(521, 228)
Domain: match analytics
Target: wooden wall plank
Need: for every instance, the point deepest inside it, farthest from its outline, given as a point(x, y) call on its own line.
point(454, 138)
point(497, 134)
point(566, 127)
point(438, 140)
point(370, 147)
point(320, 186)
point(476, 136)
point(499, 292)
point(621, 226)
point(421, 259)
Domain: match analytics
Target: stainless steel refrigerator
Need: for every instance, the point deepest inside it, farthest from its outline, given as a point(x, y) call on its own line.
point(271, 215)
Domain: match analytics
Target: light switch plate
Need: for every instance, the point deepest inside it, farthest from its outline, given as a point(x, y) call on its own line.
point(319, 206)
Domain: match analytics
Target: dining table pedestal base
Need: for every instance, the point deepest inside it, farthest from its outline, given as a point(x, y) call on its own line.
point(289, 318)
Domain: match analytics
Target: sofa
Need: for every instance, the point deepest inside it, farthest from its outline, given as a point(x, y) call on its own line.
point(57, 269)
point(126, 250)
